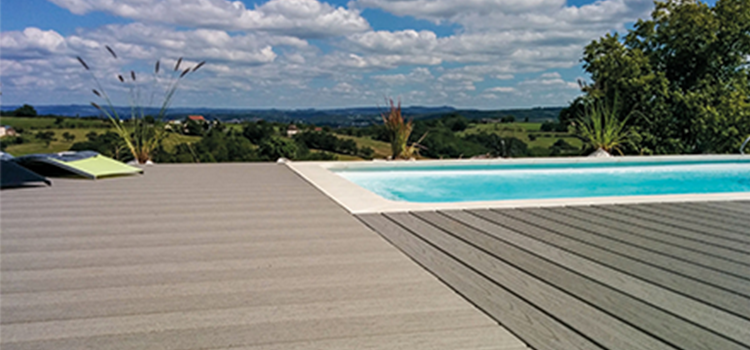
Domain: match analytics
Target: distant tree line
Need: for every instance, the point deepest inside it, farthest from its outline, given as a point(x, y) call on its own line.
point(443, 139)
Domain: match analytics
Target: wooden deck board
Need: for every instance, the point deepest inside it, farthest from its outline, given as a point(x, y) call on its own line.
point(723, 229)
point(538, 329)
point(660, 227)
point(682, 266)
point(652, 235)
point(215, 256)
point(709, 317)
point(682, 210)
point(722, 298)
point(621, 233)
point(607, 302)
point(709, 233)
point(603, 278)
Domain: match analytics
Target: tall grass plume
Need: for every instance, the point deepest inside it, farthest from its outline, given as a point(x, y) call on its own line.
point(399, 130)
point(144, 137)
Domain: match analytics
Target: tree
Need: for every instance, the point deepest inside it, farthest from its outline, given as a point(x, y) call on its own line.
point(25, 111)
point(46, 136)
point(686, 69)
point(455, 122)
point(257, 132)
point(193, 127)
point(508, 119)
point(109, 144)
point(275, 148)
point(68, 136)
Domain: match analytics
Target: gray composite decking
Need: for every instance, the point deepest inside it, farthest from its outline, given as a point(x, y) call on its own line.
point(242, 256)
point(649, 276)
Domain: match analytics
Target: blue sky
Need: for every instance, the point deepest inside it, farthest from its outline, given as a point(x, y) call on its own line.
point(486, 54)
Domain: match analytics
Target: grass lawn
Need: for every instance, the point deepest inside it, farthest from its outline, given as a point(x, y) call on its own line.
point(502, 128)
point(547, 142)
point(36, 146)
point(522, 131)
point(382, 149)
point(36, 123)
point(173, 139)
point(339, 156)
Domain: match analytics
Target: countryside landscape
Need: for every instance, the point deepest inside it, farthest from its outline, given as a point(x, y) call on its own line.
point(675, 83)
point(228, 139)
point(375, 174)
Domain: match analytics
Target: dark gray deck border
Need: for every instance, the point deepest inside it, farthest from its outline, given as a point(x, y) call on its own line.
point(646, 276)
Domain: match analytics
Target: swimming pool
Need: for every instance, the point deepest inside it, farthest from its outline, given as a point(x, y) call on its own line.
point(494, 182)
point(363, 187)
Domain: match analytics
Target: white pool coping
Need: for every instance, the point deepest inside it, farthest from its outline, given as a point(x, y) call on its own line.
point(358, 200)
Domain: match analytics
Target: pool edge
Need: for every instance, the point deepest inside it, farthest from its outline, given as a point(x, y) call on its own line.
point(358, 200)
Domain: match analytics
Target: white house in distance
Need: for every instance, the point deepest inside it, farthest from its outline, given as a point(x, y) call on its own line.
point(292, 130)
point(6, 130)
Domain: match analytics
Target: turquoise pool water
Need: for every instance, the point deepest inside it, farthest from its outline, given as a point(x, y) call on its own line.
point(463, 183)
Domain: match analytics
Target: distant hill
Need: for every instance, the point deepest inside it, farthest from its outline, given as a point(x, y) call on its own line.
point(358, 116)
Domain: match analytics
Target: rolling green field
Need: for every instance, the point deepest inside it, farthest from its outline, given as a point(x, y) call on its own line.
point(75, 126)
point(523, 131)
point(38, 123)
point(530, 133)
point(33, 145)
point(382, 149)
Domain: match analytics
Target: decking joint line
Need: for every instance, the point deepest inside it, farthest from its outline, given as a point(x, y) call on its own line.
point(552, 230)
point(484, 276)
point(619, 240)
point(602, 284)
point(609, 251)
point(584, 219)
point(527, 273)
point(637, 217)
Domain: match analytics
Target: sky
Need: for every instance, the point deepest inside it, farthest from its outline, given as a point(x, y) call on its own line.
point(484, 54)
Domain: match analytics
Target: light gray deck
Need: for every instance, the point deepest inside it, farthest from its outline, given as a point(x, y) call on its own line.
point(215, 256)
point(650, 276)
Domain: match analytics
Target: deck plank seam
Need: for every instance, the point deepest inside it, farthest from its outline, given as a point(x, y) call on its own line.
point(638, 246)
point(490, 280)
point(580, 275)
point(615, 267)
point(530, 275)
point(612, 215)
point(688, 219)
point(704, 215)
point(639, 216)
point(584, 219)
point(695, 268)
point(605, 287)
point(699, 207)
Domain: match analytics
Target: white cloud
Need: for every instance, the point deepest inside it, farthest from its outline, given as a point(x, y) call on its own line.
point(551, 75)
point(31, 43)
point(515, 14)
point(522, 35)
point(300, 18)
point(140, 41)
point(262, 56)
point(438, 10)
point(400, 42)
point(460, 77)
point(418, 75)
point(502, 89)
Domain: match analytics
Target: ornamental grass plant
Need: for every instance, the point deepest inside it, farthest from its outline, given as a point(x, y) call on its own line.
point(399, 131)
point(140, 133)
point(600, 127)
